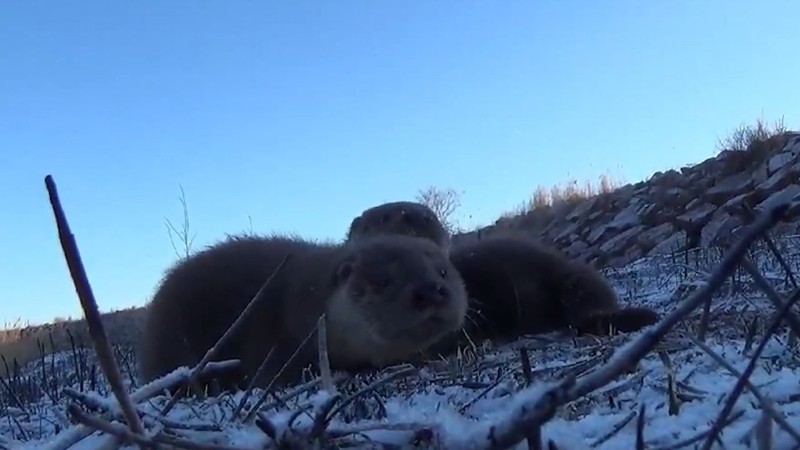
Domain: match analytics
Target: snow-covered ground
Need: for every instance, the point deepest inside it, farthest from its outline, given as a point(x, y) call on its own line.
point(453, 405)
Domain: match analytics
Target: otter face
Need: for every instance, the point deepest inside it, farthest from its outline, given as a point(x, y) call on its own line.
point(404, 218)
point(405, 289)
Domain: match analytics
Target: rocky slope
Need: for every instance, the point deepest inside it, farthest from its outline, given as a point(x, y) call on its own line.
point(703, 205)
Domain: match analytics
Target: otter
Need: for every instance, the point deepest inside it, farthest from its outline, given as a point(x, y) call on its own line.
point(401, 217)
point(385, 297)
point(520, 286)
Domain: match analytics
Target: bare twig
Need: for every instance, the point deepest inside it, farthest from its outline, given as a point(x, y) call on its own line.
point(640, 428)
point(699, 436)
point(71, 436)
point(182, 234)
point(772, 295)
point(91, 311)
point(324, 361)
point(252, 414)
point(614, 431)
point(249, 392)
point(391, 376)
point(122, 433)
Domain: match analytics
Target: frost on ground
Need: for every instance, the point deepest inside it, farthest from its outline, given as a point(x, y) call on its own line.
point(678, 390)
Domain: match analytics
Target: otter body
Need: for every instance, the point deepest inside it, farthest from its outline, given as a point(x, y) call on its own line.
point(385, 298)
point(406, 218)
point(519, 286)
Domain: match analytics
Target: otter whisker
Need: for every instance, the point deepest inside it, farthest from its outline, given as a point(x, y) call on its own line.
point(471, 319)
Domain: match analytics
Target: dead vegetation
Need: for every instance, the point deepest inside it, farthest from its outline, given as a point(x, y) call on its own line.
point(338, 415)
point(23, 346)
point(756, 138)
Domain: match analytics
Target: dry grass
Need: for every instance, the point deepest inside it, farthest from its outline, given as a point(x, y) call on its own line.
point(753, 137)
point(547, 204)
point(20, 346)
point(750, 145)
point(570, 192)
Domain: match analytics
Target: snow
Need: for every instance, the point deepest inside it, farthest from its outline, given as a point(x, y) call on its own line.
point(459, 411)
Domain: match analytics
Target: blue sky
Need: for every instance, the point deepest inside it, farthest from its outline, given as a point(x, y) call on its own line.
point(301, 114)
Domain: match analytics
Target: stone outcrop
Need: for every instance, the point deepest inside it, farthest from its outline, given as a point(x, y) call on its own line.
point(697, 206)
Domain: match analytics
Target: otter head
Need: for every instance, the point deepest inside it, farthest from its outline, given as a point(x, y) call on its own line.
point(406, 218)
point(397, 295)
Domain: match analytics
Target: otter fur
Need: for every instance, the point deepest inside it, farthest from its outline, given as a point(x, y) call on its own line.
point(520, 286)
point(401, 217)
point(385, 297)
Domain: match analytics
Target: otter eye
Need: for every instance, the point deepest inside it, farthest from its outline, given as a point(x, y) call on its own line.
point(443, 273)
point(385, 218)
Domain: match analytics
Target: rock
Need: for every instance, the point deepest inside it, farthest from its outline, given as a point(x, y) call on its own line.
point(778, 161)
point(601, 232)
point(792, 143)
point(616, 245)
point(695, 203)
point(650, 238)
point(734, 205)
point(630, 255)
point(567, 233)
point(671, 197)
point(576, 248)
point(595, 215)
point(675, 242)
point(790, 193)
point(629, 216)
point(721, 224)
point(729, 187)
point(696, 218)
point(779, 180)
point(583, 208)
point(761, 174)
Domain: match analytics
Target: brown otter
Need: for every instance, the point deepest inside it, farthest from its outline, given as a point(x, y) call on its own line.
point(402, 217)
point(519, 286)
point(385, 297)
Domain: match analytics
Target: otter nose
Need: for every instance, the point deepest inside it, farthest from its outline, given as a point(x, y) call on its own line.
point(430, 295)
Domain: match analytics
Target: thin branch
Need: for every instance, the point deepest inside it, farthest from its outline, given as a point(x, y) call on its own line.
point(772, 295)
point(91, 311)
point(124, 434)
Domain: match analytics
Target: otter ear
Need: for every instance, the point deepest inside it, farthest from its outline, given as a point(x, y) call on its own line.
point(356, 222)
point(343, 272)
point(353, 225)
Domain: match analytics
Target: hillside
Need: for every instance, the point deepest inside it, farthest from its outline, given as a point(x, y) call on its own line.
point(704, 205)
point(660, 242)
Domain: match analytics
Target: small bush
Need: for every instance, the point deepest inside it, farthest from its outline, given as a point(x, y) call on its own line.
point(758, 138)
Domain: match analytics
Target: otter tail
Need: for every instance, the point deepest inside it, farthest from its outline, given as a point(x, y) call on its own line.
point(623, 320)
